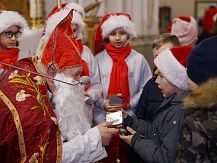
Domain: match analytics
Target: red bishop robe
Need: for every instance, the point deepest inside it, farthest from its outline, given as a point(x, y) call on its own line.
point(28, 129)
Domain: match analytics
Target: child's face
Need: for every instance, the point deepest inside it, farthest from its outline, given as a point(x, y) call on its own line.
point(163, 47)
point(167, 88)
point(118, 37)
point(9, 37)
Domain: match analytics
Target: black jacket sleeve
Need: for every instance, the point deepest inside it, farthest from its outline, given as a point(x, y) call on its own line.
point(161, 145)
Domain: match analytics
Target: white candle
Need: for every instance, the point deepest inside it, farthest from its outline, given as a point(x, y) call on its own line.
point(33, 9)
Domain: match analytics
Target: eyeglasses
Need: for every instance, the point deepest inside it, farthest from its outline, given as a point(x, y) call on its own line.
point(11, 34)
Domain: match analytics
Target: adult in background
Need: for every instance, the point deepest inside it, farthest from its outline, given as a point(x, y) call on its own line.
point(186, 29)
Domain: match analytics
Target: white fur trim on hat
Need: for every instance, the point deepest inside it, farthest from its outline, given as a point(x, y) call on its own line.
point(187, 32)
point(77, 7)
point(53, 21)
point(56, 18)
point(9, 18)
point(171, 69)
point(114, 22)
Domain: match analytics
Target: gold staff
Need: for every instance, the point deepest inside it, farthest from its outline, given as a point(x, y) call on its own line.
point(58, 3)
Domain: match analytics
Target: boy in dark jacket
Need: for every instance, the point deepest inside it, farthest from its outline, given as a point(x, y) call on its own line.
point(151, 97)
point(157, 141)
point(198, 140)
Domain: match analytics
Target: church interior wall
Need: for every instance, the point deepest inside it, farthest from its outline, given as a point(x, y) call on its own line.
point(145, 15)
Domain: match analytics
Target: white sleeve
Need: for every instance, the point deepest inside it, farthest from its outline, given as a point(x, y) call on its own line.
point(95, 89)
point(143, 77)
point(84, 148)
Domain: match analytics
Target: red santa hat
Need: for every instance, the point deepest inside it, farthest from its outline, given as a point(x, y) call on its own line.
point(9, 18)
point(186, 29)
point(62, 48)
point(57, 14)
point(76, 7)
point(110, 22)
point(116, 21)
point(209, 20)
point(172, 65)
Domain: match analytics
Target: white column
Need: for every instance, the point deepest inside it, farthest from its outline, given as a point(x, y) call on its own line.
point(39, 8)
point(115, 5)
point(153, 28)
point(102, 9)
point(136, 13)
point(33, 9)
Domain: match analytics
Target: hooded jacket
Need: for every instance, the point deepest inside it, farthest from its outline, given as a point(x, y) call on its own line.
point(198, 140)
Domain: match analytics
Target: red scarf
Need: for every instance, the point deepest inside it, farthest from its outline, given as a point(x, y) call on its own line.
point(9, 57)
point(119, 75)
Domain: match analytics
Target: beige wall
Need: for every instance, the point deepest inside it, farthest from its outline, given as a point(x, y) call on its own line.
point(178, 8)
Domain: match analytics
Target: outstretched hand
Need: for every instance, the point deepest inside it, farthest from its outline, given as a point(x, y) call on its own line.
point(128, 138)
point(124, 113)
point(106, 132)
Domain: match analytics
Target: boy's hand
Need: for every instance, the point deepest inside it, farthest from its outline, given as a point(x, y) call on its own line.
point(124, 113)
point(128, 138)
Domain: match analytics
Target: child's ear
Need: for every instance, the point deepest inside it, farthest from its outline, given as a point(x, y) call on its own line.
point(52, 71)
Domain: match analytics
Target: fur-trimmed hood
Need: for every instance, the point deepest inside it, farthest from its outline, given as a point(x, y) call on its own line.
point(205, 97)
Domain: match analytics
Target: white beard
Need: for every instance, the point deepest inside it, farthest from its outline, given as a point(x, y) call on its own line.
point(70, 108)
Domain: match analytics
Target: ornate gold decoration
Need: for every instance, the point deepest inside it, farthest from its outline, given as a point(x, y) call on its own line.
point(36, 23)
point(21, 96)
point(32, 86)
point(34, 158)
